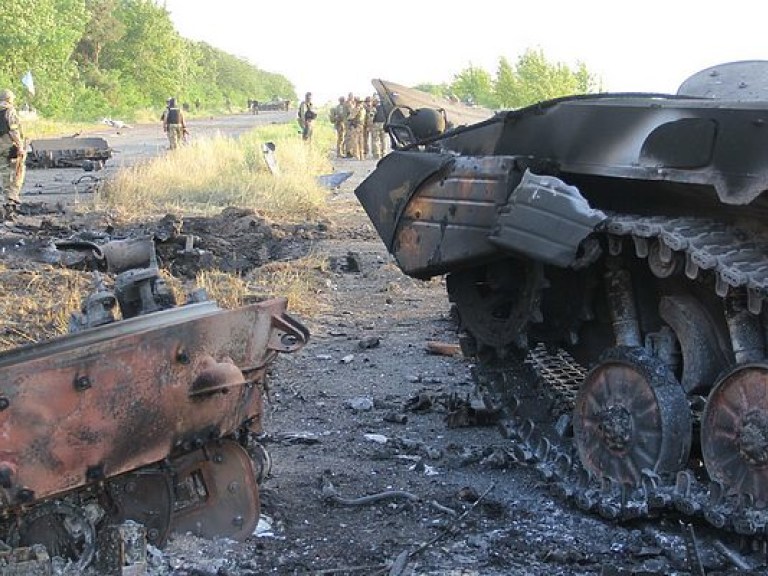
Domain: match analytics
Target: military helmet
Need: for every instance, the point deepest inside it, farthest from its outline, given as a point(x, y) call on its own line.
point(7, 96)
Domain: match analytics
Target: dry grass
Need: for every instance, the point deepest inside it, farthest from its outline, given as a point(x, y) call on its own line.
point(228, 290)
point(37, 304)
point(302, 282)
point(209, 174)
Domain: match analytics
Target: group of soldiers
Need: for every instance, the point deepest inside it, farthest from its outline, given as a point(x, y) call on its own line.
point(359, 125)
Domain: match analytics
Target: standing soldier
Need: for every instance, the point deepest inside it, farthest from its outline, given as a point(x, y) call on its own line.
point(173, 124)
point(338, 117)
point(378, 136)
point(12, 154)
point(349, 106)
point(307, 117)
point(355, 123)
point(367, 122)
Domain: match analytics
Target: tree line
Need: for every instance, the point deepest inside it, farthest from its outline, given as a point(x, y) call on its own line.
point(532, 78)
point(94, 58)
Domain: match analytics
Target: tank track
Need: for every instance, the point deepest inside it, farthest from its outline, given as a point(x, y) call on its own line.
point(737, 259)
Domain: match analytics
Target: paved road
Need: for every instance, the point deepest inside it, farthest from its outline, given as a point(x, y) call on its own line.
point(132, 145)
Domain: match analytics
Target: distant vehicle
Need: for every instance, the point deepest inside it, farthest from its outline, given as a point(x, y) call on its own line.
point(272, 105)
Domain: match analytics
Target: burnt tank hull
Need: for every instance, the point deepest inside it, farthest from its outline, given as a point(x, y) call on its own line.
point(669, 154)
point(623, 236)
point(113, 399)
point(153, 418)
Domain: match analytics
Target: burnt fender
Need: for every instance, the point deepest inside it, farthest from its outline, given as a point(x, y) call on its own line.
point(389, 188)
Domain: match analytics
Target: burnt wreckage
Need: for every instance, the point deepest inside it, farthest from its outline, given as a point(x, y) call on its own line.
point(153, 418)
point(88, 153)
point(618, 244)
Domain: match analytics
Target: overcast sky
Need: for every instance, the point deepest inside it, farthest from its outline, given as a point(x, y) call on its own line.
point(332, 47)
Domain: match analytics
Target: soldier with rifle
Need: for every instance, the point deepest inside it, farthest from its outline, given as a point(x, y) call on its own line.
point(173, 124)
point(12, 154)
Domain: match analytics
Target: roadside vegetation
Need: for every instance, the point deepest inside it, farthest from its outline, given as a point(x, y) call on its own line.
point(209, 174)
point(94, 58)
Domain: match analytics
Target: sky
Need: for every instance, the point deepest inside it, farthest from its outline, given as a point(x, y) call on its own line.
point(332, 47)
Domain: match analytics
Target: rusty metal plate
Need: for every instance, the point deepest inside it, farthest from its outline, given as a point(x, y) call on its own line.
point(218, 493)
point(112, 399)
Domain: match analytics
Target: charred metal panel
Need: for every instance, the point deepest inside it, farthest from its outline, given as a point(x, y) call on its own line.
point(217, 498)
point(447, 223)
point(118, 397)
point(399, 100)
point(611, 135)
point(386, 192)
point(440, 216)
point(686, 143)
point(545, 219)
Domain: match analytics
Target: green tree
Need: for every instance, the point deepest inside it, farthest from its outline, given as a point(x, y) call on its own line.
point(103, 57)
point(148, 56)
point(103, 29)
point(474, 85)
point(506, 84)
point(534, 78)
point(440, 90)
point(40, 35)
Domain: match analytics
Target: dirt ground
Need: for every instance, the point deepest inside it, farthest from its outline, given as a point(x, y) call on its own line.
point(368, 477)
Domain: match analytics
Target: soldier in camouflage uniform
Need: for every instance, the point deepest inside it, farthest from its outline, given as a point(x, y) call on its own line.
point(368, 121)
point(173, 124)
point(355, 122)
point(338, 115)
point(306, 117)
point(12, 153)
point(378, 136)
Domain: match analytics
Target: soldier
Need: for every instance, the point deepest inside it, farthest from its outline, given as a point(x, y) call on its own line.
point(378, 136)
point(12, 153)
point(355, 122)
point(367, 122)
point(307, 117)
point(338, 116)
point(173, 124)
point(349, 105)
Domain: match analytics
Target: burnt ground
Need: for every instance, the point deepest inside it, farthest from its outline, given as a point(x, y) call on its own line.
point(368, 477)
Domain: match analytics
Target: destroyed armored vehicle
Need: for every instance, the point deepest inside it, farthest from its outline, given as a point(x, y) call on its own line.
point(618, 243)
point(276, 104)
point(68, 152)
point(147, 412)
